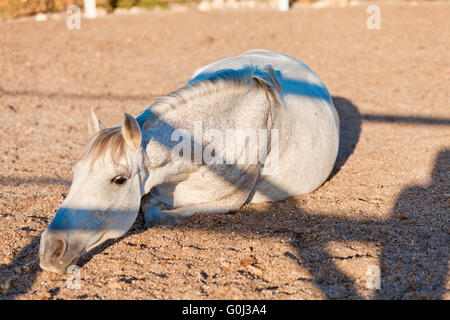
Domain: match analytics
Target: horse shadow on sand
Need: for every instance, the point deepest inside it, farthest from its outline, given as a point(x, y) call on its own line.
point(414, 240)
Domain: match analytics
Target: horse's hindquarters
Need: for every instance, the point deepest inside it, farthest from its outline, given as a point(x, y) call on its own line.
point(308, 147)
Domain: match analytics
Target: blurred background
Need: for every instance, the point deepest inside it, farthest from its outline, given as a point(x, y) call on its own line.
point(18, 8)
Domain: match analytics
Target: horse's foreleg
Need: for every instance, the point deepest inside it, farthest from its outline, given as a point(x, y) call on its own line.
point(153, 211)
point(158, 216)
point(158, 213)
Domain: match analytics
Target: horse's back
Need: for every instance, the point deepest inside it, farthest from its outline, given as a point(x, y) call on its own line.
point(294, 76)
point(298, 82)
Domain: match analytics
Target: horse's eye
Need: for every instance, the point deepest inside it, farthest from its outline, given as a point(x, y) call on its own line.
point(119, 180)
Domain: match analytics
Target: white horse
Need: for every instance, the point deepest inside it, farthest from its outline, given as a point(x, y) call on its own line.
point(174, 154)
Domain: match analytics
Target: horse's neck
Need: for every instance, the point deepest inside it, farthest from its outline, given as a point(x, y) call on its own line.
point(213, 110)
point(231, 108)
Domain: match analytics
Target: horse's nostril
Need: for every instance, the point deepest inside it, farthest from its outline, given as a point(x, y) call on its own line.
point(59, 249)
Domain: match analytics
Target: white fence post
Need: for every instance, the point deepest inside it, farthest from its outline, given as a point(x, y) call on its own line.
point(283, 5)
point(90, 9)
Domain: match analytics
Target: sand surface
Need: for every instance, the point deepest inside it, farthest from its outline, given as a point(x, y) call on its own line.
point(385, 209)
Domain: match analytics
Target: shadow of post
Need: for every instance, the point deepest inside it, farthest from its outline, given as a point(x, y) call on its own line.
point(414, 260)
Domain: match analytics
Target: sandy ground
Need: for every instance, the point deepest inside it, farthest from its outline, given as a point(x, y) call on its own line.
point(385, 209)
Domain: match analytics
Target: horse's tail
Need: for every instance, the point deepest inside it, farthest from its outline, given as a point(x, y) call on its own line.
point(267, 78)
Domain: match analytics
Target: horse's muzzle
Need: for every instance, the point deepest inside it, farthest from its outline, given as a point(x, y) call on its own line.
point(55, 255)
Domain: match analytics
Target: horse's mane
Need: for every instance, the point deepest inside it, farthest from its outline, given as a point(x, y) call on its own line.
point(111, 139)
point(107, 139)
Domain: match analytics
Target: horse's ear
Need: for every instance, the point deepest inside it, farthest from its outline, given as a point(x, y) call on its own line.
point(131, 132)
point(94, 125)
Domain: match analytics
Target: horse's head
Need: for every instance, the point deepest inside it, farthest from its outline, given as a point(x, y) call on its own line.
point(104, 199)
